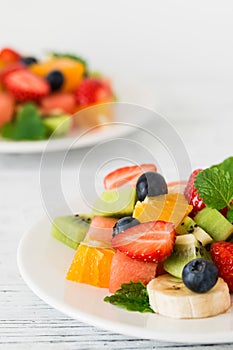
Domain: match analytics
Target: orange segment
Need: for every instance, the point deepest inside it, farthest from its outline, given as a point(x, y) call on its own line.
point(91, 265)
point(72, 70)
point(170, 207)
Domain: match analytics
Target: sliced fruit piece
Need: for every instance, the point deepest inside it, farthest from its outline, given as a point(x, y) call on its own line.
point(169, 296)
point(191, 194)
point(176, 186)
point(58, 125)
point(222, 253)
point(93, 90)
point(7, 106)
point(214, 223)
point(186, 248)
point(188, 225)
point(125, 269)
point(170, 207)
point(126, 175)
point(91, 265)
point(101, 228)
point(12, 67)
point(59, 102)
point(8, 55)
point(25, 86)
point(152, 241)
point(71, 230)
point(115, 203)
point(72, 70)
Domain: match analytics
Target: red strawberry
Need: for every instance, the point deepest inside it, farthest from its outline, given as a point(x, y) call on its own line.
point(26, 86)
point(93, 90)
point(191, 194)
point(128, 174)
point(151, 241)
point(6, 107)
point(61, 101)
point(222, 255)
point(12, 67)
point(8, 55)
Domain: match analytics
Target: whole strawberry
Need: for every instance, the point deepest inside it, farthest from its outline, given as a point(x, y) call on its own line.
point(222, 255)
point(93, 90)
point(191, 194)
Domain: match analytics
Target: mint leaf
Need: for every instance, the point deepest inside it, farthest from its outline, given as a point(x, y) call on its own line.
point(27, 126)
point(230, 215)
point(215, 187)
point(132, 296)
point(226, 165)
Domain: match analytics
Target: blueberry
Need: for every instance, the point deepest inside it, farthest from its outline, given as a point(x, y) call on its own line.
point(28, 60)
point(55, 79)
point(123, 224)
point(200, 275)
point(150, 184)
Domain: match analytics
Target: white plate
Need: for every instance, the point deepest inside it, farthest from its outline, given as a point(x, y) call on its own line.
point(126, 92)
point(43, 263)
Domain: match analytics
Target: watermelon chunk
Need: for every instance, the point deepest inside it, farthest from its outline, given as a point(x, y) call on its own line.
point(101, 228)
point(125, 269)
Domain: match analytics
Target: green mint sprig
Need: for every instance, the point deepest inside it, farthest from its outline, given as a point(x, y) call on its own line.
point(215, 186)
point(28, 125)
point(132, 296)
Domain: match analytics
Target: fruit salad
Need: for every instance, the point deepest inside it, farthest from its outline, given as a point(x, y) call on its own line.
point(158, 247)
point(37, 96)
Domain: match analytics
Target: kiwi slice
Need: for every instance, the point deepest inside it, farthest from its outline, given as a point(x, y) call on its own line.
point(186, 248)
point(116, 203)
point(188, 225)
point(58, 125)
point(214, 223)
point(71, 230)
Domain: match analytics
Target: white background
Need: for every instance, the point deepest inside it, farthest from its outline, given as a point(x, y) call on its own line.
point(181, 49)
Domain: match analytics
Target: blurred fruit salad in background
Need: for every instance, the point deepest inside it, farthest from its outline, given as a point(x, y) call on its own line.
point(37, 96)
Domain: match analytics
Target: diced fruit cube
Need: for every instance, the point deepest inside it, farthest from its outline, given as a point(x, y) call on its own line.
point(115, 203)
point(91, 265)
point(57, 125)
point(59, 102)
point(101, 228)
point(125, 269)
point(170, 207)
point(214, 223)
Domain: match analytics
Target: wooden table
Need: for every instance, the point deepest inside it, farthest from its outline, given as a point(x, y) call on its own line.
point(26, 322)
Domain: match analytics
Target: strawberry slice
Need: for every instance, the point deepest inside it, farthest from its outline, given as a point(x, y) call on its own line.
point(190, 193)
point(26, 86)
point(151, 241)
point(93, 90)
point(7, 55)
point(221, 253)
point(126, 175)
point(12, 67)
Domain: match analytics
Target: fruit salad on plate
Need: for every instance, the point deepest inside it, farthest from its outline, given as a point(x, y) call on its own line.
point(37, 96)
point(158, 247)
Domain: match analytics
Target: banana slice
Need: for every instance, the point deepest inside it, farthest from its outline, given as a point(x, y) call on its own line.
point(169, 296)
